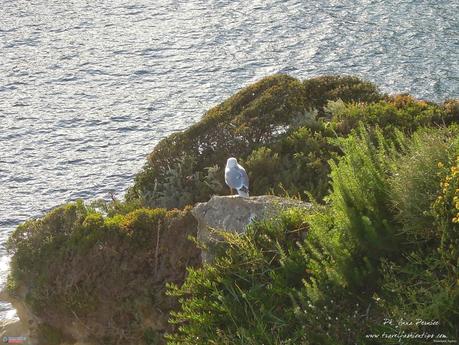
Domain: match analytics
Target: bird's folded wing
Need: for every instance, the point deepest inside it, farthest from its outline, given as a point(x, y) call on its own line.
point(233, 178)
point(244, 178)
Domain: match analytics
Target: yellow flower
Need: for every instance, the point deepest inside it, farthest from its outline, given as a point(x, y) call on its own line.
point(440, 165)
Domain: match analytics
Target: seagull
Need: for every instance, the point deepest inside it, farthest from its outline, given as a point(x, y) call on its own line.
point(236, 177)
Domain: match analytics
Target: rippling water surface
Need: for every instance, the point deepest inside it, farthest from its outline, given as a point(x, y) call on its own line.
point(88, 88)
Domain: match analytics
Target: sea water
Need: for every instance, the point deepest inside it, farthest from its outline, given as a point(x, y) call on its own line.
point(87, 88)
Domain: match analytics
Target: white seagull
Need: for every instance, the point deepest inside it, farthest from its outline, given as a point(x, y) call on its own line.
point(236, 177)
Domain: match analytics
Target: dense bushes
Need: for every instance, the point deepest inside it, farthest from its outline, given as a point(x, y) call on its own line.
point(383, 243)
point(244, 297)
point(254, 119)
point(401, 112)
point(423, 284)
point(108, 272)
point(282, 120)
point(253, 116)
point(356, 265)
point(294, 165)
point(319, 91)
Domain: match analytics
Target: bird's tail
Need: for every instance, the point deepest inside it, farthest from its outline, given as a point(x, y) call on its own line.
point(243, 191)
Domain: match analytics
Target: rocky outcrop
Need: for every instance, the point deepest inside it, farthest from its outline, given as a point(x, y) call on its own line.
point(234, 213)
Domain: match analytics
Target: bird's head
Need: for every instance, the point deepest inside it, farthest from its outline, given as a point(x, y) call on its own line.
point(231, 162)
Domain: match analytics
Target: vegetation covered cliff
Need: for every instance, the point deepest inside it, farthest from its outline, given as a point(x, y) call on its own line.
point(380, 244)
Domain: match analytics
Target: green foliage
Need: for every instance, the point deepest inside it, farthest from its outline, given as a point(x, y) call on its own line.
point(79, 264)
point(333, 276)
point(361, 217)
point(421, 288)
point(400, 112)
point(296, 164)
point(34, 241)
point(415, 181)
point(268, 116)
point(244, 296)
point(377, 249)
point(382, 244)
point(424, 285)
point(319, 91)
point(114, 206)
point(281, 119)
point(254, 116)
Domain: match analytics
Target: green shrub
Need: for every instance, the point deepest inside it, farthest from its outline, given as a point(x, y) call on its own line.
point(400, 112)
point(244, 296)
point(445, 209)
point(76, 264)
point(421, 288)
point(247, 126)
point(415, 181)
point(319, 91)
point(295, 165)
point(252, 117)
point(424, 285)
point(374, 247)
point(361, 217)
